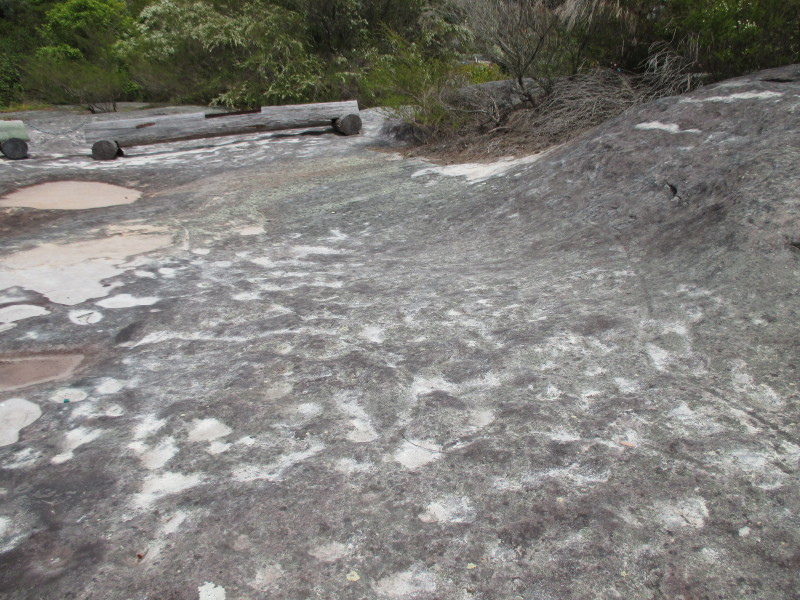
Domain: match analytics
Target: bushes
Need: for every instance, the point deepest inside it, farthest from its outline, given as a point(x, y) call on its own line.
point(739, 36)
point(190, 51)
point(244, 53)
point(10, 85)
point(78, 62)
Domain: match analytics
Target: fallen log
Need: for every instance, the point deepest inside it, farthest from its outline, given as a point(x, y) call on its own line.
point(170, 128)
point(13, 129)
point(106, 150)
point(13, 138)
point(14, 148)
point(348, 124)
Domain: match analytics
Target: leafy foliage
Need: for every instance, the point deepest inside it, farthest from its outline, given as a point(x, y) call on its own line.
point(738, 36)
point(250, 57)
point(243, 53)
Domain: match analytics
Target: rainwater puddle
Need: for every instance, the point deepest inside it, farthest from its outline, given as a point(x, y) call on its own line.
point(70, 195)
point(18, 372)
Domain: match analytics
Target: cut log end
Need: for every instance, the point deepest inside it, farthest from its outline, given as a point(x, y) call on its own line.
point(14, 148)
point(106, 150)
point(348, 124)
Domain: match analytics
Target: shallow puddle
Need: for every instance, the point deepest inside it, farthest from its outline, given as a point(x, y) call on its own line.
point(73, 273)
point(18, 372)
point(70, 195)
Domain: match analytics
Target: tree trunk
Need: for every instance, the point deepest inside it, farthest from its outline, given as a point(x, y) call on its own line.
point(154, 130)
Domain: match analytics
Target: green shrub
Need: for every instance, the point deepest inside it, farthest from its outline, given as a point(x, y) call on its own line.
point(10, 86)
point(413, 85)
point(193, 51)
point(738, 36)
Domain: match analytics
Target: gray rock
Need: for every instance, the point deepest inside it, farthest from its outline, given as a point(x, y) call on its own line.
point(359, 376)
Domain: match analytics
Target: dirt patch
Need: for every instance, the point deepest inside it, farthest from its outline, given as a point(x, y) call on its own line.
point(70, 195)
point(18, 372)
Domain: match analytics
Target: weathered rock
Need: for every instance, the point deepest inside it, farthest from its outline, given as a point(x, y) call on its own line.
point(354, 376)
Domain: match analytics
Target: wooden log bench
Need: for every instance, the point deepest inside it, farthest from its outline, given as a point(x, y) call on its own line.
point(13, 139)
point(108, 137)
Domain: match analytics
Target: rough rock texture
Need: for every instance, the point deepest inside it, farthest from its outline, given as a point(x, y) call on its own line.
point(355, 376)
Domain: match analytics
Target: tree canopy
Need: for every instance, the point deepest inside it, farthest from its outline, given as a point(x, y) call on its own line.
point(243, 53)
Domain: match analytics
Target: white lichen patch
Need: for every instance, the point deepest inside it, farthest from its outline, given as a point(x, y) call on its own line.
point(207, 430)
point(127, 301)
point(13, 531)
point(682, 412)
point(267, 577)
point(217, 447)
point(477, 172)
point(74, 439)
point(451, 509)
point(22, 459)
point(627, 386)
point(277, 391)
point(210, 591)
point(15, 415)
point(172, 523)
point(109, 385)
point(18, 312)
point(425, 385)
point(744, 383)
point(246, 296)
point(660, 358)
point(330, 552)
point(155, 457)
point(253, 230)
point(413, 454)
point(166, 484)
point(350, 466)
point(302, 252)
point(148, 425)
point(68, 395)
point(481, 418)
point(690, 512)
point(668, 127)
point(308, 410)
point(735, 97)
point(275, 471)
point(372, 334)
point(85, 317)
point(414, 583)
point(362, 431)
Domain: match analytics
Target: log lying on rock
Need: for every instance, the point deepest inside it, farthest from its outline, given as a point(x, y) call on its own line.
point(14, 148)
point(13, 138)
point(170, 128)
point(348, 124)
point(13, 129)
point(106, 150)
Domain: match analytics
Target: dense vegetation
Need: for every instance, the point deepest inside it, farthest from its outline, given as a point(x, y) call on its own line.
point(246, 53)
